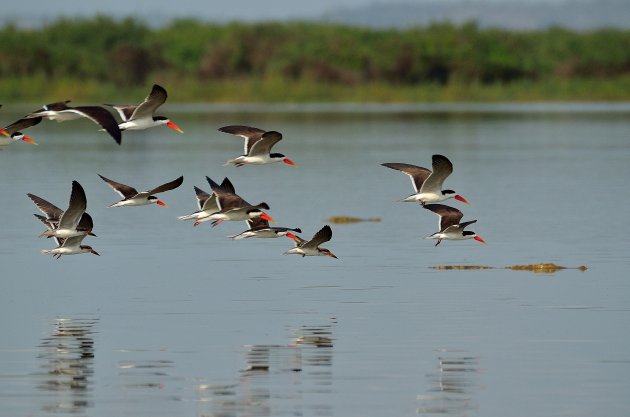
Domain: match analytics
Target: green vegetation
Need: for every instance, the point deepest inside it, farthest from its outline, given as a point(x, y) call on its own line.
point(87, 59)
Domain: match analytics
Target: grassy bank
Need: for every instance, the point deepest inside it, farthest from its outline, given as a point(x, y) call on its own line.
point(40, 90)
point(103, 58)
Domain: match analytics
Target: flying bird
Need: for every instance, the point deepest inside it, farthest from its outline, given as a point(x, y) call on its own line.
point(260, 228)
point(51, 211)
point(207, 203)
point(131, 196)
point(141, 116)
point(427, 184)
point(86, 224)
point(311, 247)
point(70, 218)
point(450, 227)
point(13, 131)
point(231, 206)
point(70, 246)
point(61, 112)
point(258, 144)
point(53, 216)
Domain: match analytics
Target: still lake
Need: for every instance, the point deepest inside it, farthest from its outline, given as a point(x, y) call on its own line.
point(175, 320)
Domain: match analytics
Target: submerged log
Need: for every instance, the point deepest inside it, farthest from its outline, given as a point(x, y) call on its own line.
point(539, 268)
point(544, 268)
point(448, 267)
point(348, 219)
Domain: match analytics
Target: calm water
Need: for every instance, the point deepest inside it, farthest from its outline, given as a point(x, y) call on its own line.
point(173, 320)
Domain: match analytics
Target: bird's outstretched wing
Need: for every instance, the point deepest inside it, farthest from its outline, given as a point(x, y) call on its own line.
point(250, 134)
point(168, 186)
point(323, 235)
point(417, 174)
point(125, 191)
point(449, 216)
point(442, 168)
point(155, 99)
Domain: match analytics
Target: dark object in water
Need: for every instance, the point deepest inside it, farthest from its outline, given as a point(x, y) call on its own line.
point(544, 268)
point(348, 219)
point(448, 267)
point(540, 268)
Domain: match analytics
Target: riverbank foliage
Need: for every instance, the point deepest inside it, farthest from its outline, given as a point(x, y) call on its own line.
point(300, 61)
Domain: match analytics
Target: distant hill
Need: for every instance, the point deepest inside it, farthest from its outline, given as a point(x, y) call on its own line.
point(579, 15)
point(506, 14)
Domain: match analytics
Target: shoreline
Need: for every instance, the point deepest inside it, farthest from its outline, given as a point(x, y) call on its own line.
point(29, 90)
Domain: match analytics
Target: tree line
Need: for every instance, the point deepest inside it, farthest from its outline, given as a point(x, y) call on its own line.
point(130, 53)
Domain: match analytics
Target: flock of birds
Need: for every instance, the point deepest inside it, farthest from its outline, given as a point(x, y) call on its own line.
point(70, 227)
point(428, 189)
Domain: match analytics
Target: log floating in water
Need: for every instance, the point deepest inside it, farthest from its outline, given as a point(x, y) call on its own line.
point(448, 267)
point(348, 219)
point(543, 267)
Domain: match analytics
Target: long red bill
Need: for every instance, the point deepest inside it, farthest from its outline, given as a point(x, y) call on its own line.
point(289, 162)
point(479, 239)
point(161, 203)
point(29, 140)
point(267, 217)
point(174, 126)
point(3, 132)
point(462, 199)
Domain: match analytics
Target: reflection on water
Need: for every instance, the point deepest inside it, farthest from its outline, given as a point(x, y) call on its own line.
point(68, 366)
point(177, 305)
point(144, 373)
point(290, 379)
point(454, 385)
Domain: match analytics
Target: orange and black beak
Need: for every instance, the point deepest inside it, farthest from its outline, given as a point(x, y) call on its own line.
point(289, 162)
point(3, 132)
point(267, 217)
point(174, 126)
point(94, 252)
point(460, 198)
point(292, 236)
point(479, 239)
point(161, 203)
point(91, 234)
point(332, 255)
point(29, 140)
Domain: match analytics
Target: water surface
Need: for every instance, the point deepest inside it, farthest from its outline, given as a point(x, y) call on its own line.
point(176, 320)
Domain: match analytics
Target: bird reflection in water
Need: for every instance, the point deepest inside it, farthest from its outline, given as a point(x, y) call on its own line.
point(68, 366)
point(454, 385)
point(293, 379)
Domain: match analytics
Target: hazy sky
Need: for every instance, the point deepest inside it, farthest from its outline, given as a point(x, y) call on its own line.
point(213, 9)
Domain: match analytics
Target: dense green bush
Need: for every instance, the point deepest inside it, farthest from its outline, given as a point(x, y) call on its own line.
point(127, 53)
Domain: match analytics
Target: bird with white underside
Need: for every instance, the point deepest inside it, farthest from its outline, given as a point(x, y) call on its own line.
point(69, 219)
point(231, 206)
point(450, 227)
point(311, 247)
point(131, 196)
point(13, 132)
point(141, 116)
point(428, 184)
point(258, 144)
